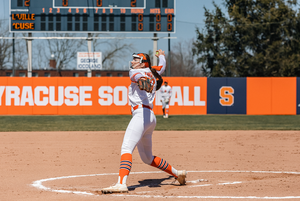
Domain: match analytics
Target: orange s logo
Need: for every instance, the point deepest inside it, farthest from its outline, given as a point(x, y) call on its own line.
point(226, 94)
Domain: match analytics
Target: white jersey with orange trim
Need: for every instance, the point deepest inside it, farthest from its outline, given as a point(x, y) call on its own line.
point(166, 92)
point(137, 96)
point(140, 128)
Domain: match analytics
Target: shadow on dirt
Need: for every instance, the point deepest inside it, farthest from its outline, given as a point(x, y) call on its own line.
point(151, 183)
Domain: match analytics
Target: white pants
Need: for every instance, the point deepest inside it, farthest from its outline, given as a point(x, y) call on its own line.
point(139, 133)
point(165, 102)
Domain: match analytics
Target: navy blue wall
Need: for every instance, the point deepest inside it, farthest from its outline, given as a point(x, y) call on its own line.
point(213, 87)
point(213, 97)
point(298, 95)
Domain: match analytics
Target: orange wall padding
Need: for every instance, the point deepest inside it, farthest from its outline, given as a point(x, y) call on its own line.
point(109, 95)
point(91, 96)
point(271, 96)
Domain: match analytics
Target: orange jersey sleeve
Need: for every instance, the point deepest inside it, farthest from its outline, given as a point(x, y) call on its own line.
point(158, 68)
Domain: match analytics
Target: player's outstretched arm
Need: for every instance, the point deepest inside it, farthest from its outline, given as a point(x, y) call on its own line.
point(162, 61)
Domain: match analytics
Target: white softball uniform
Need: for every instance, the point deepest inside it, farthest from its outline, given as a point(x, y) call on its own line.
point(143, 122)
point(165, 93)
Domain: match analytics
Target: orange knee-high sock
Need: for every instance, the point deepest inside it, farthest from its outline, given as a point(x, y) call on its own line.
point(125, 167)
point(163, 165)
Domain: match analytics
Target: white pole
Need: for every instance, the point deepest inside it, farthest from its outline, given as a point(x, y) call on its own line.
point(29, 44)
point(169, 55)
point(89, 41)
point(155, 39)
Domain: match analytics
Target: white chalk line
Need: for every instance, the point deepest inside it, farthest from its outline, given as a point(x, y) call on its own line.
point(196, 181)
point(39, 184)
point(210, 197)
point(227, 183)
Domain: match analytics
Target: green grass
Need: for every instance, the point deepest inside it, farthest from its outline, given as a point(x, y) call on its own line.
point(176, 122)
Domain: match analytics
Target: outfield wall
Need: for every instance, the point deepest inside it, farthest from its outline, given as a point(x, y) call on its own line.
point(108, 95)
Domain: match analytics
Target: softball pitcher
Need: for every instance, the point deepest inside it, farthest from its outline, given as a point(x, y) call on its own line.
point(145, 80)
point(166, 93)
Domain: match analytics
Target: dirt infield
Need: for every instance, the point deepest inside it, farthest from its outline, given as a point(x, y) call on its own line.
point(221, 165)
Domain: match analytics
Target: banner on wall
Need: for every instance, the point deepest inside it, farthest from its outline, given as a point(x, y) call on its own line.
point(89, 60)
point(69, 96)
point(109, 95)
point(226, 95)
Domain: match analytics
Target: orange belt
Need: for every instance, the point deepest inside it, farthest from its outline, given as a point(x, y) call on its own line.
point(145, 106)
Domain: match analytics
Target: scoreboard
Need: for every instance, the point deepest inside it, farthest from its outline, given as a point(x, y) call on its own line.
point(139, 16)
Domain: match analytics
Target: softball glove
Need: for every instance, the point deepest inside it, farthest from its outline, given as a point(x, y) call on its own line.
point(145, 84)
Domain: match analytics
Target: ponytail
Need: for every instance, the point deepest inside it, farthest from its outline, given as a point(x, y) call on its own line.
point(157, 76)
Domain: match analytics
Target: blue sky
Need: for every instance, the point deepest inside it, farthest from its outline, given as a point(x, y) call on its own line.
point(189, 15)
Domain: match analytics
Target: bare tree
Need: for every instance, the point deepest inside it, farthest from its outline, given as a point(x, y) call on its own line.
point(183, 62)
point(5, 46)
point(112, 50)
point(21, 54)
point(64, 50)
point(6, 49)
point(40, 58)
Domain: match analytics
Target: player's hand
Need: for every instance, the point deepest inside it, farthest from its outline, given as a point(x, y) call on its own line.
point(159, 52)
